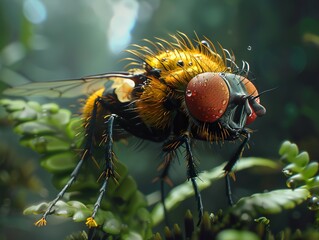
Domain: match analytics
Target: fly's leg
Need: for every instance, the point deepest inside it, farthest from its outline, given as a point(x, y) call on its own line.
point(87, 152)
point(192, 173)
point(164, 178)
point(108, 171)
point(229, 166)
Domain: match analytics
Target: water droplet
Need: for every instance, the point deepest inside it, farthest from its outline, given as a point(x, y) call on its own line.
point(180, 63)
point(188, 93)
point(245, 217)
point(313, 203)
point(220, 111)
point(291, 183)
point(287, 172)
point(249, 48)
point(224, 102)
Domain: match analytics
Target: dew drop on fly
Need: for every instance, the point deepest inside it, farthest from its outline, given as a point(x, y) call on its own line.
point(249, 48)
point(189, 93)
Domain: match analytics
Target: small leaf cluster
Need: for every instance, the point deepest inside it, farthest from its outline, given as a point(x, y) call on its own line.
point(300, 171)
point(246, 219)
point(57, 137)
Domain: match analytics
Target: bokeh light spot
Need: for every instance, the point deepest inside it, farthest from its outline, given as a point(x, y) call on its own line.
point(34, 11)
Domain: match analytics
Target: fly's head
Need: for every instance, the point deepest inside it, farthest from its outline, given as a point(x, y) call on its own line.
point(229, 99)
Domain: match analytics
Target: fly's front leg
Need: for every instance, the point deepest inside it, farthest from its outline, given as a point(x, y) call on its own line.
point(86, 153)
point(229, 166)
point(164, 178)
point(108, 171)
point(192, 173)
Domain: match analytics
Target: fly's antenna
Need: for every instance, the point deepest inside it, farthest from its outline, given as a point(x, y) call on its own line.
point(265, 91)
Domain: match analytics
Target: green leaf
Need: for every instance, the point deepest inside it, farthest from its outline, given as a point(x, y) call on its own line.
point(52, 108)
point(34, 128)
point(112, 226)
point(58, 162)
point(79, 212)
point(45, 144)
point(288, 150)
point(270, 202)
point(11, 105)
point(205, 179)
point(301, 172)
point(232, 234)
point(302, 159)
point(310, 170)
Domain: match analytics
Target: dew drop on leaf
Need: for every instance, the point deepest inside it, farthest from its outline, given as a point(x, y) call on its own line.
point(291, 183)
point(313, 203)
point(287, 172)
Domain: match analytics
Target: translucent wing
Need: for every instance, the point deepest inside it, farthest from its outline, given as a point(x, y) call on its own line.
point(70, 88)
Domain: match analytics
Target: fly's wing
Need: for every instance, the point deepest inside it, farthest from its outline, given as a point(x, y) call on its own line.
point(70, 88)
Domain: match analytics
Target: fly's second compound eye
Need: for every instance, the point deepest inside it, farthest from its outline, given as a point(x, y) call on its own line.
point(207, 97)
point(251, 90)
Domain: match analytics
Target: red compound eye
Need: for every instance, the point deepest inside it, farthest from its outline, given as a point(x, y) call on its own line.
point(207, 97)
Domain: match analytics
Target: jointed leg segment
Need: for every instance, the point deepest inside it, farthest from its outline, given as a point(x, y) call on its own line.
point(173, 145)
point(229, 166)
point(87, 152)
point(108, 170)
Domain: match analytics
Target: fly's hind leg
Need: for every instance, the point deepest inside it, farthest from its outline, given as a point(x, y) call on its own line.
point(192, 173)
point(164, 178)
point(108, 171)
point(86, 153)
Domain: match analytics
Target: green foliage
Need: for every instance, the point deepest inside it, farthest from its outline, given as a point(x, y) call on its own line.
point(207, 178)
point(52, 132)
point(301, 172)
point(245, 220)
point(56, 136)
point(17, 177)
point(224, 227)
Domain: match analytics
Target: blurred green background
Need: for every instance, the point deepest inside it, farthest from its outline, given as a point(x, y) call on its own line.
point(44, 40)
